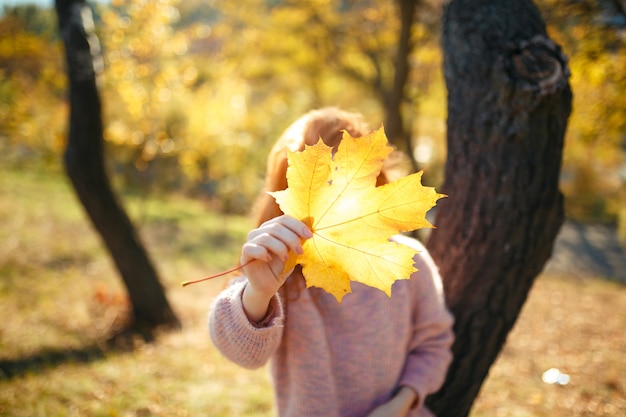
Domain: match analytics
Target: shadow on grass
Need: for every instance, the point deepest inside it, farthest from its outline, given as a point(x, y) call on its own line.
point(46, 359)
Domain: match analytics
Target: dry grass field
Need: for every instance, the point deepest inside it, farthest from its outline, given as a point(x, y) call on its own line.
point(60, 296)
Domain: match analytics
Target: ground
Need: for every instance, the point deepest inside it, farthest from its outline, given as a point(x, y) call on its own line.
point(60, 295)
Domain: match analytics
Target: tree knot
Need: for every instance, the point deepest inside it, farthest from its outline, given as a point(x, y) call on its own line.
point(538, 65)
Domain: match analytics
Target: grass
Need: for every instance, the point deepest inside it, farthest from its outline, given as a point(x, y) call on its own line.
point(59, 295)
point(576, 326)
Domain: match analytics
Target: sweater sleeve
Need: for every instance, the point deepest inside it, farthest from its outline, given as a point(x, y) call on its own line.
point(430, 352)
point(247, 344)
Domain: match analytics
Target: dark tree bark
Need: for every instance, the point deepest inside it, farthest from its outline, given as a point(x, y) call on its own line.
point(508, 105)
point(84, 163)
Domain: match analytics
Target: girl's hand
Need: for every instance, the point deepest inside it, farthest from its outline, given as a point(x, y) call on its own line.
point(268, 248)
point(398, 406)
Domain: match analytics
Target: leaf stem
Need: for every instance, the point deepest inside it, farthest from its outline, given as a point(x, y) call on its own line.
point(219, 274)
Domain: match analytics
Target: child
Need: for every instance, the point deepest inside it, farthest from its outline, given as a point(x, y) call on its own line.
point(372, 355)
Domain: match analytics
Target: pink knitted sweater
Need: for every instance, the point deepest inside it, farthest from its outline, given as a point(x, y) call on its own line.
point(342, 360)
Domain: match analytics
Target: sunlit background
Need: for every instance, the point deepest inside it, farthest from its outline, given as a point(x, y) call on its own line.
point(194, 94)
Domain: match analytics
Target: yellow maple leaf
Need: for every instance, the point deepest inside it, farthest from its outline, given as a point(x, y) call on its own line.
point(351, 219)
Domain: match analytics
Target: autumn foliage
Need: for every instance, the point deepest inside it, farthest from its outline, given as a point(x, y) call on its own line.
point(195, 93)
point(352, 220)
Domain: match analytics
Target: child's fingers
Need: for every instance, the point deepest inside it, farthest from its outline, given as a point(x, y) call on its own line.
point(288, 222)
point(251, 251)
point(276, 246)
point(281, 235)
point(296, 226)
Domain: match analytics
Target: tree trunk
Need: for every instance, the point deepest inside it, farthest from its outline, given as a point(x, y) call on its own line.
point(508, 105)
point(84, 163)
point(394, 98)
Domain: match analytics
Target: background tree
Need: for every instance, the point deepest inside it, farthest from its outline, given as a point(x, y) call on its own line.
point(335, 51)
point(509, 101)
point(257, 67)
point(84, 162)
point(251, 69)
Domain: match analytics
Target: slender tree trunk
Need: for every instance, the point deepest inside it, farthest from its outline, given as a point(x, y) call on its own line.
point(395, 128)
point(508, 105)
point(84, 163)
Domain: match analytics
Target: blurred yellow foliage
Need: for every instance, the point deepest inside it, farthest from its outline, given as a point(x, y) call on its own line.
point(594, 156)
point(196, 92)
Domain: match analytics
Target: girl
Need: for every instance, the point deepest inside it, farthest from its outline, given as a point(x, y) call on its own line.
point(371, 355)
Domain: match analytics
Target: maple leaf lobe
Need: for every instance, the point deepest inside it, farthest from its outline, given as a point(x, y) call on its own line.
point(351, 219)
